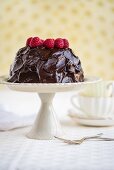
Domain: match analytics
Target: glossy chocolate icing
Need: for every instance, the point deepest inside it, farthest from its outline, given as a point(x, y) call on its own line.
point(43, 65)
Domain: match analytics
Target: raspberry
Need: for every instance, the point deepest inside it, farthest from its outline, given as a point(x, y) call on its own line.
point(35, 42)
point(59, 43)
point(49, 43)
point(66, 43)
point(28, 41)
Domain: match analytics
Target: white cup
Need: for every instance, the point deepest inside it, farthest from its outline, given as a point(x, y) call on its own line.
point(102, 107)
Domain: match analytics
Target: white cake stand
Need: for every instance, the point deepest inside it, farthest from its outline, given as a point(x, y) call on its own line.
point(46, 125)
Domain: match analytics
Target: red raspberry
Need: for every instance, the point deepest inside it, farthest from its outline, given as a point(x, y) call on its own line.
point(28, 41)
point(49, 43)
point(59, 43)
point(35, 42)
point(66, 43)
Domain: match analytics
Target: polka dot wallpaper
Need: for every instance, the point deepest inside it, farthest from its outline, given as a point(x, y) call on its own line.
point(89, 26)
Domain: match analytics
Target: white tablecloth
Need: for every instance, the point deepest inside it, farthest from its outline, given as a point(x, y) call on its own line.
point(17, 152)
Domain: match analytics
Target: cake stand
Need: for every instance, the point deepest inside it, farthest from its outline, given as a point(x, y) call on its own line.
point(46, 125)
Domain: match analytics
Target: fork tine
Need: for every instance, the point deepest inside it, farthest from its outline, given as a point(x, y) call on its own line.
point(63, 139)
point(67, 140)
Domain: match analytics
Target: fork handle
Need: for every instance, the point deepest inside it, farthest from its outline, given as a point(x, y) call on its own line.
point(106, 139)
point(92, 137)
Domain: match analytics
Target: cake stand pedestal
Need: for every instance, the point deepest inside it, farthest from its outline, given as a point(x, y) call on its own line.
point(46, 125)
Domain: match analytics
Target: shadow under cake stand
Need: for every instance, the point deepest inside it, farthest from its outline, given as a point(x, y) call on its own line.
point(46, 125)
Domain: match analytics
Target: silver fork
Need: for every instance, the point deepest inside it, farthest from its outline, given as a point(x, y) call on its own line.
point(79, 141)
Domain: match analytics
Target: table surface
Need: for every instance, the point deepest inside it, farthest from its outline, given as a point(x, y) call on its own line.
point(17, 152)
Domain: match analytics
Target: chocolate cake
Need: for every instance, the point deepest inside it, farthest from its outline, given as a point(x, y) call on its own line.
point(47, 62)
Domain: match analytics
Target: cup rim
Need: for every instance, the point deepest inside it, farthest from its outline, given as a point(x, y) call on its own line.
point(95, 97)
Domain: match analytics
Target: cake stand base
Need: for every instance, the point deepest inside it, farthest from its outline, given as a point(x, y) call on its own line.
point(46, 125)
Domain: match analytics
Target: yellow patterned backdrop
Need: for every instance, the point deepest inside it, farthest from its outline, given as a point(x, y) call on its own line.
point(88, 24)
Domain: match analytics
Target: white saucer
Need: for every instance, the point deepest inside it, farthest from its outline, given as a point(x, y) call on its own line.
point(91, 121)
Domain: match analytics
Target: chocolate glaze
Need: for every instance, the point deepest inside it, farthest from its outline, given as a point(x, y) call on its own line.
point(43, 65)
